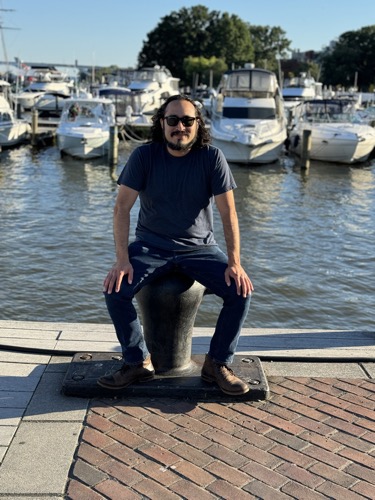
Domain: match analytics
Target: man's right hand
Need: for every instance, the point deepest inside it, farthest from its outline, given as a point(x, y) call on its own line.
point(115, 276)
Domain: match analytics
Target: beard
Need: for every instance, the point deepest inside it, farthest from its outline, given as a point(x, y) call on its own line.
point(178, 146)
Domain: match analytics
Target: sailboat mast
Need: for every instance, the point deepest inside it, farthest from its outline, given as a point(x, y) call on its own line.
point(2, 28)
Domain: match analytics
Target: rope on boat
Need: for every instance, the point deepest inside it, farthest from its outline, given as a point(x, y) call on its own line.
point(131, 136)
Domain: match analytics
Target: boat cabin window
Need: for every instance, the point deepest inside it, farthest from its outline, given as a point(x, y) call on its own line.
point(78, 111)
point(143, 75)
point(256, 81)
point(249, 113)
point(86, 111)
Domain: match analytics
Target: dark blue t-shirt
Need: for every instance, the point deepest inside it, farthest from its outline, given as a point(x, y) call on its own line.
point(176, 194)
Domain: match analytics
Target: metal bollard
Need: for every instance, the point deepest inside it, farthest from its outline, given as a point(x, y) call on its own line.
point(168, 307)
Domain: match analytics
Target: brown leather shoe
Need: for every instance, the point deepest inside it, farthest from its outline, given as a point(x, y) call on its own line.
point(224, 377)
point(128, 374)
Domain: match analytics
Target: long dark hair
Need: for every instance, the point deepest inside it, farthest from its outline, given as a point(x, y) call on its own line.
point(157, 134)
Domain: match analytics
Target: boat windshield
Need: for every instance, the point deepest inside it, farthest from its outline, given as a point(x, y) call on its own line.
point(249, 81)
point(153, 75)
point(84, 111)
point(329, 111)
point(299, 82)
point(249, 113)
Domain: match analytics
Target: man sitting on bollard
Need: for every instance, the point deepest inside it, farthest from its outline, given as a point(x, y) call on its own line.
point(176, 176)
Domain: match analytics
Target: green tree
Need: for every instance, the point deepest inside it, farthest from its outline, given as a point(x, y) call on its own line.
point(269, 44)
point(196, 32)
point(178, 35)
point(199, 69)
point(293, 67)
point(230, 40)
point(352, 59)
point(104, 74)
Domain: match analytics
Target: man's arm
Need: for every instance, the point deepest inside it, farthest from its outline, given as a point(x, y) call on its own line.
point(126, 198)
point(227, 209)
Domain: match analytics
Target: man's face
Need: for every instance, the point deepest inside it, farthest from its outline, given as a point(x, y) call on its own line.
point(179, 136)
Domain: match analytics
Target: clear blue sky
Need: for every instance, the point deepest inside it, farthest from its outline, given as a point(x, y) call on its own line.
point(109, 32)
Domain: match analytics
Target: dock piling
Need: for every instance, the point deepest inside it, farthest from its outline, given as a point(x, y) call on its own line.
point(34, 127)
point(113, 145)
point(306, 148)
point(18, 110)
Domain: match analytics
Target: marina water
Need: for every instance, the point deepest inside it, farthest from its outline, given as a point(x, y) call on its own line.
point(308, 240)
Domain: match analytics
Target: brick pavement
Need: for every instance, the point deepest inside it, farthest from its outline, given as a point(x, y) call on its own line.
point(313, 439)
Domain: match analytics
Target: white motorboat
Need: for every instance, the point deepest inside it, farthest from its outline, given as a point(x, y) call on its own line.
point(50, 104)
point(135, 125)
point(122, 97)
point(301, 88)
point(84, 127)
point(151, 87)
point(337, 135)
point(28, 96)
point(13, 131)
point(248, 122)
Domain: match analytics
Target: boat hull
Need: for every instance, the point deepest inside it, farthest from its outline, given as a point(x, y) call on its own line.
point(236, 152)
point(341, 143)
point(256, 142)
point(83, 144)
point(14, 133)
point(28, 100)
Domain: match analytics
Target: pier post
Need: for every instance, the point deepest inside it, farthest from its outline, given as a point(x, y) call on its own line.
point(113, 145)
point(306, 148)
point(18, 110)
point(34, 126)
point(168, 307)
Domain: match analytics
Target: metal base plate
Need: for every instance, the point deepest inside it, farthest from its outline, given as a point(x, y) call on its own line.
point(85, 368)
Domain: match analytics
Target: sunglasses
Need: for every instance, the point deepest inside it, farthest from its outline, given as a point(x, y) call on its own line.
point(173, 120)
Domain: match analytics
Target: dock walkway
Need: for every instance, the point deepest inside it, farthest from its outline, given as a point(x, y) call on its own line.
point(314, 437)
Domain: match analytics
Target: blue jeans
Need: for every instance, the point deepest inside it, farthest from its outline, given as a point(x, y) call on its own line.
point(206, 266)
